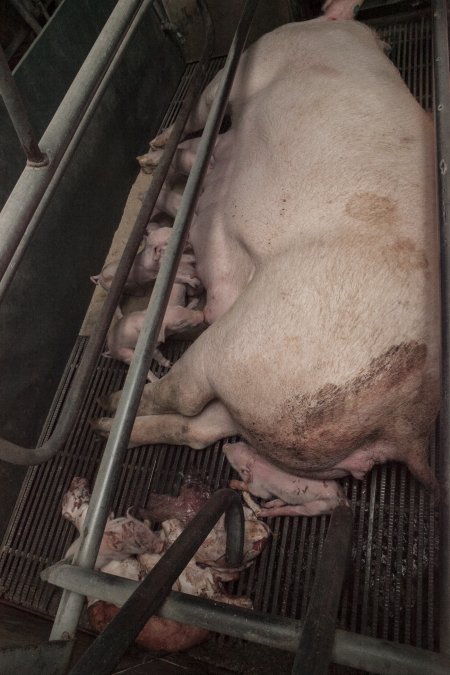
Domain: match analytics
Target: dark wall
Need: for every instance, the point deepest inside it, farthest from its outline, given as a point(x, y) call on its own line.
point(40, 318)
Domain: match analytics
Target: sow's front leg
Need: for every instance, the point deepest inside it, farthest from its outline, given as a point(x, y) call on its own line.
point(295, 495)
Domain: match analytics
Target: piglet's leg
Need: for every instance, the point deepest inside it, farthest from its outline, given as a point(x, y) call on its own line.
point(319, 507)
point(161, 359)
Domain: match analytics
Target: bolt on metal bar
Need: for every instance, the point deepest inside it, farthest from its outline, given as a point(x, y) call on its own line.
point(32, 185)
point(71, 603)
point(18, 115)
point(441, 105)
point(352, 650)
point(105, 653)
point(16, 454)
point(316, 643)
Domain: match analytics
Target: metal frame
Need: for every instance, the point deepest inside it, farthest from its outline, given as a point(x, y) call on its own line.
point(109, 470)
point(353, 650)
point(105, 653)
point(16, 454)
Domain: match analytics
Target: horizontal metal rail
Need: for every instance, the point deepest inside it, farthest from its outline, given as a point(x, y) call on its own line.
point(106, 651)
point(316, 643)
point(18, 115)
point(16, 454)
point(441, 105)
point(350, 649)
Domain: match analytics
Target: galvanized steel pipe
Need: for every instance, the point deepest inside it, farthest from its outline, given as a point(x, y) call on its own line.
point(441, 104)
point(350, 649)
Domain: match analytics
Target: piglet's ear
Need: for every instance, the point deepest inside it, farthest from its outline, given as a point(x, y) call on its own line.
point(95, 279)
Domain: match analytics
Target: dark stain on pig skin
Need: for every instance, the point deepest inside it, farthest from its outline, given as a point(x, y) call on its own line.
point(317, 431)
point(403, 254)
point(371, 208)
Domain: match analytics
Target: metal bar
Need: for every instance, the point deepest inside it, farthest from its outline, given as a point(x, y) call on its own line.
point(350, 649)
point(441, 96)
point(47, 658)
point(18, 115)
point(31, 186)
point(110, 467)
point(26, 16)
point(105, 653)
point(14, 263)
point(316, 643)
point(16, 454)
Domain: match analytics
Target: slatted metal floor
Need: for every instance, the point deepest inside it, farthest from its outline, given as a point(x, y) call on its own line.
point(391, 590)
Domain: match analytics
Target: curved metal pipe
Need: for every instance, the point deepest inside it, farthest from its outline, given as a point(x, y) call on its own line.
point(106, 651)
point(16, 454)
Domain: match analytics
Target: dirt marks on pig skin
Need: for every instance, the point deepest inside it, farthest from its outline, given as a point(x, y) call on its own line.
point(403, 254)
point(375, 210)
point(386, 401)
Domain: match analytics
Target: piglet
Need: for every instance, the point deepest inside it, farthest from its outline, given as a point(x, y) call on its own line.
point(158, 634)
point(123, 336)
point(294, 496)
point(122, 537)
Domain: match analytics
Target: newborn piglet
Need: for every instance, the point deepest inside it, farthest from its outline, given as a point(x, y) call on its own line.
point(146, 265)
point(122, 536)
point(287, 495)
point(123, 335)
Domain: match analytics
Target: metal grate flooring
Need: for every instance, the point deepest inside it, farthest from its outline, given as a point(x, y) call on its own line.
point(392, 586)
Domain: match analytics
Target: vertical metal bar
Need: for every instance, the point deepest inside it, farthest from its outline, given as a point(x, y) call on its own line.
point(18, 115)
point(316, 643)
point(110, 467)
point(441, 106)
point(104, 654)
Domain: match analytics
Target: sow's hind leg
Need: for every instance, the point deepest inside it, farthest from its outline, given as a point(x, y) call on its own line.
point(212, 424)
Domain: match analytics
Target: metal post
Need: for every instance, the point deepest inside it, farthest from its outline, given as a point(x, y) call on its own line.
point(350, 649)
point(110, 466)
point(18, 115)
point(316, 644)
point(441, 106)
point(105, 653)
